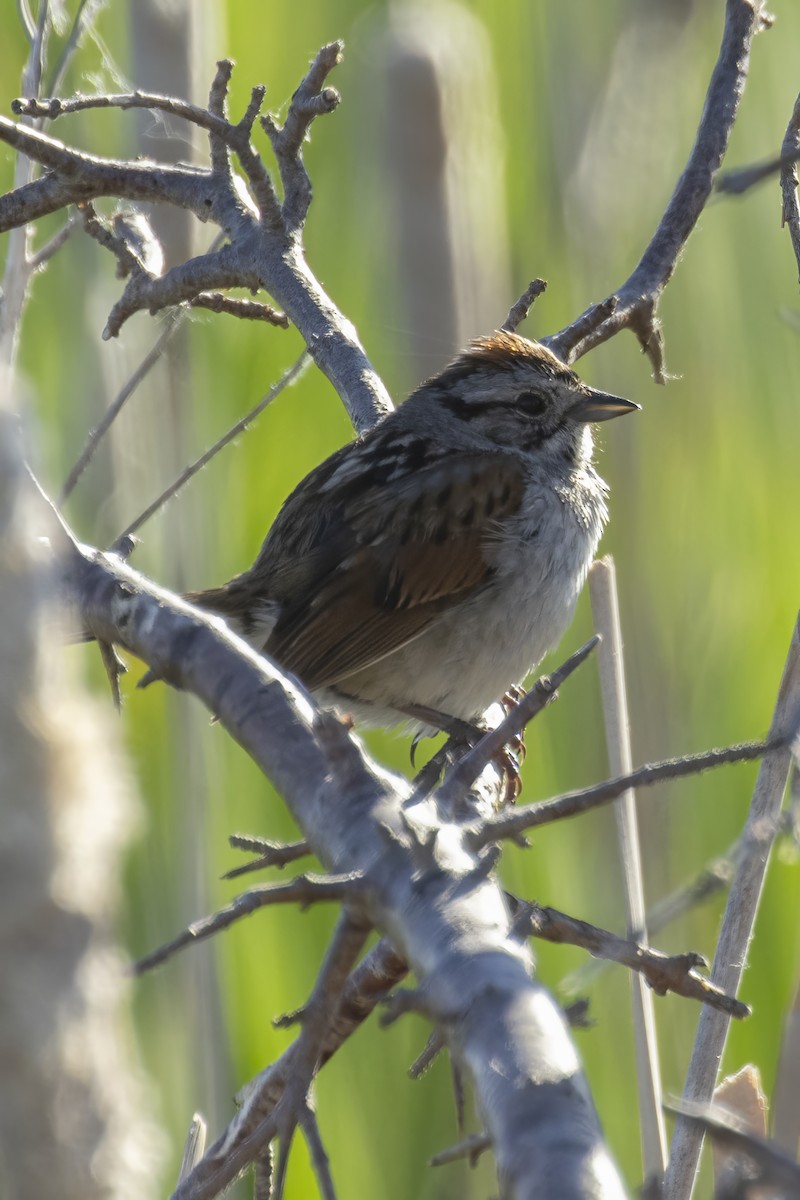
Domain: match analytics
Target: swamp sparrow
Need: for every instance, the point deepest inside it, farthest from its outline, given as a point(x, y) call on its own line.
point(421, 570)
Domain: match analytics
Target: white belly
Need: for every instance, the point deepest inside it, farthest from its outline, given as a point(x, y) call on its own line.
point(472, 654)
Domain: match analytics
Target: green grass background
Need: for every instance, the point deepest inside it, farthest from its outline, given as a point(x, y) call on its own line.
point(704, 530)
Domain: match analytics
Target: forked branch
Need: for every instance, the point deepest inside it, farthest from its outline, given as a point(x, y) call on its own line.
point(634, 305)
point(263, 249)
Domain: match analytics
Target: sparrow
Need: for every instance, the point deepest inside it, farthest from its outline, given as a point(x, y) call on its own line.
point(419, 572)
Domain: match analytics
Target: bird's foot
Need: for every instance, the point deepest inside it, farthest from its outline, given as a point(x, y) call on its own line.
point(463, 736)
point(512, 756)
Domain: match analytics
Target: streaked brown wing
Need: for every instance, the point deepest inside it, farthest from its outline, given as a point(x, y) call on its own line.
point(407, 551)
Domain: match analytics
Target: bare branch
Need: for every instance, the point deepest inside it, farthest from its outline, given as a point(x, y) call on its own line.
point(571, 804)
point(223, 135)
point(791, 208)
point(304, 890)
point(611, 665)
point(270, 854)
point(263, 1121)
point(742, 179)
point(318, 1153)
point(54, 244)
point(342, 952)
point(501, 1023)
point(544, 691)
point(265, 248)
point(26, 19)
point(51, 109)
point(520, 309)
point(245, 310)
point(85, 14)
point(217, 105)
point(635, 303)
point(716, 876)
point(309, 101)
point(740, 914)
point(429, 1053)
point(219, 268)
point(664, 973)
point(34, 68)
point(76, 176)
point(132, 241)
point(471, 1148)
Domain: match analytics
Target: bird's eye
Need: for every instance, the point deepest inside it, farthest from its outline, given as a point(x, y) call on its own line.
point(532, 404)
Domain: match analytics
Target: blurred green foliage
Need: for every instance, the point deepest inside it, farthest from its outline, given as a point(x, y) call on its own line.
point(598, 108)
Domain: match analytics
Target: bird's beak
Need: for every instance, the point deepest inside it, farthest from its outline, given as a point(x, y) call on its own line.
point(600, 406)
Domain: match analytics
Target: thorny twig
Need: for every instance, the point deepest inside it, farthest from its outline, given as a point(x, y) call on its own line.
point(270, 854)
point(531, 816)
point(664, 973)
point(304, 890)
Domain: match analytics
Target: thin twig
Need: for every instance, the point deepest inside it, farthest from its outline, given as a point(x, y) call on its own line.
point(53, 245)
point(258, 255)
point(217, 104)
point(51, 109)
point(605, 610)
point(270, 854)
point(26, 20)
point(304, 890)
point(663, 973)
point(430, 1051)
point(85, 13)
point(471, 1148)
point(635, 302)
point(715, 877)
point(153, 291)
point(741, 180)
point(309, 101)
point(737, 924)
point(791, 209)
point(262, 1121)
point(318, 1154)
point(34, 71)
point(520, 309)
point(571, 804)
point(17, 271)
point(286, 379)
point(460, 777)
point(132, 256)
point(245, 310)
point(172, 321)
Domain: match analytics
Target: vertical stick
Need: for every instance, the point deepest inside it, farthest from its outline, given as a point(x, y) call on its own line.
point(605, 610)
point(737, 924)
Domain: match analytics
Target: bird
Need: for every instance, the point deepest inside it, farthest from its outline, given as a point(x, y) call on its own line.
point(423, 569)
